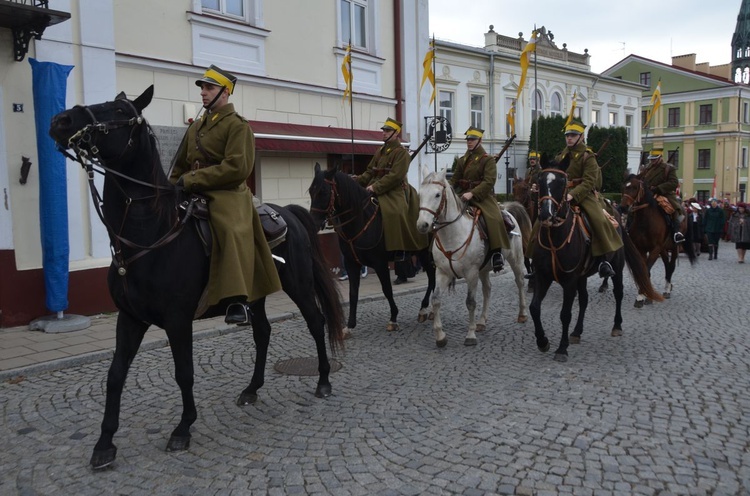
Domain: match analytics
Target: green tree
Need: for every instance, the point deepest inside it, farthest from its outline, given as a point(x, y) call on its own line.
point(551, 136)
point(613, 160)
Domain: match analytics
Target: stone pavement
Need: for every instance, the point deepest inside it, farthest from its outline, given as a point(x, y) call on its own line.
point(662, 410)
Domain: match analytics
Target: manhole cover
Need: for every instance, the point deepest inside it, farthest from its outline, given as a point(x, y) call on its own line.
point(303, 366)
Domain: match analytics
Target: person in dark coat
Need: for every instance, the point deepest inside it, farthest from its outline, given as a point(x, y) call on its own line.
point(713, 226)
point(385, 177)
point(474, 181)
point(695, 219)
point(215, 158)
point(739, 231)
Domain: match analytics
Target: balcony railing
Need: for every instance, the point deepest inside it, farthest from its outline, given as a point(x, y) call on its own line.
point(28, 19)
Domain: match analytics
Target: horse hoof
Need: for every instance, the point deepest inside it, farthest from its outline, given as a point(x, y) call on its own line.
point(561, 357)
point(602, 289)
point(470, 342)
point(431, 316)
point(421, 318)
point(392, 327)
point(247, 399)
point(346, 333)
point(323, 391)
point(575, 339)
point(638, 304)
point(178, 443)
point(481, 327)
point(441, 343)
point(102, 459)
point(545, 347)
point(667, 295)
point(616, 333)
point(522, 319)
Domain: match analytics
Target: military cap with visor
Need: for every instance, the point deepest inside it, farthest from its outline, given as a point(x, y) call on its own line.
point(391, 125)
point(655, 153)
point(575, 126)
point(218, 77)
point(474, 133)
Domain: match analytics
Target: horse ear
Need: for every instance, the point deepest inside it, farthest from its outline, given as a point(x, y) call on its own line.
point(441, 175)
point(317, 168)
point(425, 171)
point(144, 99)
point(328, 174)
point(121, 96)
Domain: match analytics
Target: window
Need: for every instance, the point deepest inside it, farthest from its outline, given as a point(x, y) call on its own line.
point(595, 117)
point(702, 195)
point(556, 105)
point(445, 102)
point(673, 157)
point(646, 79)
point(229, 8)
point(477, 111)
point(743, 158)
point(644, 117)
point(745, 113)
point(354, 22)
point(629, 127)
point(508, 105)
point(673, 117)
point(612, 119)
point(706, 113)
point(536, 105)
point(704, 159)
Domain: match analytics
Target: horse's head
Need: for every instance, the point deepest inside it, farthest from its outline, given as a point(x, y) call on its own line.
point(105, 131)
point(322, 195)
point(635, 192)
point(521, 189)
point(553, 191)
point(432, 198)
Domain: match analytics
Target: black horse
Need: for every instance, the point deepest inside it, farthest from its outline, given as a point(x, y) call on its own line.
point(562, 254)
point(160, 267)
point(340, 200)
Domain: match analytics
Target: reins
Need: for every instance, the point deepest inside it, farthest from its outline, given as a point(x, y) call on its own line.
point(83, 143)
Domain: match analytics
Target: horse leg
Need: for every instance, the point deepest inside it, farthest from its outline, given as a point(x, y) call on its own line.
point(515, 258)
point(354, 279)
point(429, 268)
point(471, 306)
point(316, 324)
point(617, 290)
point(129, 335)
point(669, 259)
point(604, 285)
point(385, 285)
point(181, 343)
point(540, 291)
point(484, 279)
point(261, 337)
point(441, 287)
point(583, 303)
point(566, 313)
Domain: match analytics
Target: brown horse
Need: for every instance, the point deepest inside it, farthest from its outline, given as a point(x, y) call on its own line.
point(523, 195)
point(650, 231)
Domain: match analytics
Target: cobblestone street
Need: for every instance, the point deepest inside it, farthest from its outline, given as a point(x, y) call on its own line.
point(664, 409)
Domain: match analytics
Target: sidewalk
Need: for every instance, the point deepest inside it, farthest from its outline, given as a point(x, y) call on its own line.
point(23, 351)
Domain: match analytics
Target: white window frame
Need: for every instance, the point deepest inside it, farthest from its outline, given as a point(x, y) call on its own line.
point(477, 115)
point(745, 112)
point(613, 119)
point(556, 104)
point(446, 112)
point(595, 117)
point(629, 126)
point(508, 105)
point(252, 11)
point(743, 158)
point(370, 25)
point(537, 105)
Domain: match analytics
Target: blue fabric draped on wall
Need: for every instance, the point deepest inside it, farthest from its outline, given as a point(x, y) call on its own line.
point(50, 82)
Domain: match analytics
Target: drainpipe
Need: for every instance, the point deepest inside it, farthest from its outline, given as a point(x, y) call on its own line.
point(491, 107)
point(739, 146)
point(398, 42)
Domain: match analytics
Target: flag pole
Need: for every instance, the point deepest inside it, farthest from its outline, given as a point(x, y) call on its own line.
point(351, 103)
point(434, 89)
point(536, 82)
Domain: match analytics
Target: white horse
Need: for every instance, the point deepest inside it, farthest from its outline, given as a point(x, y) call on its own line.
point(460, 252)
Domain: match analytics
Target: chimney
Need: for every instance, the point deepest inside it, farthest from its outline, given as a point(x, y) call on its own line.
point(685, 61)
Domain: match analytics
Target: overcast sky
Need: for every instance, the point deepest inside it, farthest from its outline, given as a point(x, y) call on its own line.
point(610, 30)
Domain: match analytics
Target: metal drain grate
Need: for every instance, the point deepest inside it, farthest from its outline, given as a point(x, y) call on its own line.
point(303, 366)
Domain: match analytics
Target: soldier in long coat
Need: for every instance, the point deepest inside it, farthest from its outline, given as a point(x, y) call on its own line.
point(474, 180)
point(385, 177)
point(583, 172)
point(662, 179)
point(215, 158)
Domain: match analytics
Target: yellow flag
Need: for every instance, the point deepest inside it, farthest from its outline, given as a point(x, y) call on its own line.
point(346, 70)
point(525, 61)
point(655, 104)
point(512, 118)
point(572, 111)
point(428, 74)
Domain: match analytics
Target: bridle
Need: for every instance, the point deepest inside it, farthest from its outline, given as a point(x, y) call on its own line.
point(560, 206)
point(437, 226)
point(87, 153)
point(636, 203)
point(334, 219)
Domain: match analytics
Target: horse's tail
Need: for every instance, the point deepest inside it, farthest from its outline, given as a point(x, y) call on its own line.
point(522, 217)
point(326, 291)
point(688, 246)
point(638, 269)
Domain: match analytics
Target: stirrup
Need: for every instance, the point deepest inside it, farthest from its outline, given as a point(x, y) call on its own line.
point(678, 237)
point(238, 313)
point(399, 256)
point(498, 263)
point(606, 270)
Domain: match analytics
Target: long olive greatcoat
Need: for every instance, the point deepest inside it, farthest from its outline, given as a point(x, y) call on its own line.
point(477, 172)
point(662, 178)
point(399, 202)
point(215, 158)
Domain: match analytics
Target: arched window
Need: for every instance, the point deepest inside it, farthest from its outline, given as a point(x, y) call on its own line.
point(556, 105)
point(536, 105)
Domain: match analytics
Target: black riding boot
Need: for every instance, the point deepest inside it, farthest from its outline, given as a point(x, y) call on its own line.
point(497, 261)
point(710, 252)
point(605, 268)
point(678, 236)
point(238, 313)
point(716, 251)
point(399, 256)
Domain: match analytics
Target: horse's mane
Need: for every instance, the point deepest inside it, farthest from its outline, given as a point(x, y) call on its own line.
point(648, 196)
point(351, 193)
point(149, 152)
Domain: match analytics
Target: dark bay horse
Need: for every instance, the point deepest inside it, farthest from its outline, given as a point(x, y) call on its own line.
point(522, 194)
point(648, 228)
point(160, 267)
point(338, 199)
point(562, 254)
